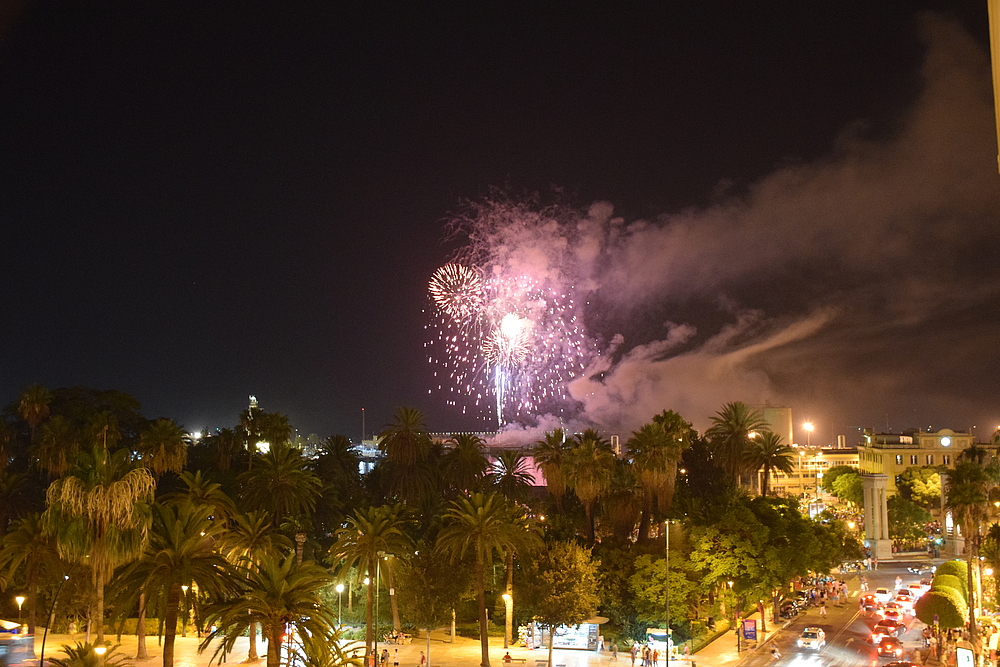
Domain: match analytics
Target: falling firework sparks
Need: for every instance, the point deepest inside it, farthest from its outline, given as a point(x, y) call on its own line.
point(509, 321)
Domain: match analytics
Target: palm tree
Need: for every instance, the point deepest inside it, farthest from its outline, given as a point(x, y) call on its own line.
point(550, 456)
point(279, 593)
point(967, 499)
point(281, 483)
point(99, 513)
point(29, 551)
point(484, 524)
point(15, 497)
point(84, 654)
point(200, 490)
point(251, 537)
point(324, 650)
point(656, 449)
point(369, 535)
point(465, 464)
point(624, 500)
point(511, 475)
point(590, 465)
point(58, 442)
point(405, 442)
point(729, 436)
point(224, 444)
point(767, 451)
point(33, 406)
point(6, 440)
point(163, 447)
point(181, 550)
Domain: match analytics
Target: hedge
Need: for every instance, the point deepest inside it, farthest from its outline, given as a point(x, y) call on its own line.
point(955, 568)
point(947, 603)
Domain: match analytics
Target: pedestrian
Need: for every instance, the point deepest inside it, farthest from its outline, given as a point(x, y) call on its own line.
point(614, 650)
point(775, 654)
point(423, 660)
point(507, 659)
point(385, 656)
point(875, 563)
point(822, 609)
point(632, 651)
point(899, 582)
point(395, 658)
point(656, 657)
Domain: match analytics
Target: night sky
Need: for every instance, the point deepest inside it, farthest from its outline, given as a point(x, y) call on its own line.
point(202, 201)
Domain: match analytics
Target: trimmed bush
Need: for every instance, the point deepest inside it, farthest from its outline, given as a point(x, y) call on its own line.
point(955, 568)
point(947, 603)
point(953, 582)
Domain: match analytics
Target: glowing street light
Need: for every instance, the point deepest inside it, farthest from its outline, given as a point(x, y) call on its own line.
point(19, 600)
point(808, 426)
point(340, 603)
point(508, 603)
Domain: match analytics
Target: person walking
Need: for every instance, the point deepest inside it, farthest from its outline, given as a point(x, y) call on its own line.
point(775, 653)
point(822, 608)
point(632, 652)
point(614, 650)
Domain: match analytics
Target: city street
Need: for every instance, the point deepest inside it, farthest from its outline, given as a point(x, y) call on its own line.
point(847, 629)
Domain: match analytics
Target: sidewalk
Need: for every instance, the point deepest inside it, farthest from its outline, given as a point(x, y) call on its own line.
point(722, 652)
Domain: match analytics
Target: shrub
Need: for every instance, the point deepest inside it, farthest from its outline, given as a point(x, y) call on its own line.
point(953, 582)
point(947, 603)
point(955, 568)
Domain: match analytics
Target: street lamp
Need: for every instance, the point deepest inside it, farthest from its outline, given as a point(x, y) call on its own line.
point(52, 609)
point(19, 600)
point(100, 651)
point(340, 604)
point(808, 426)
point(666, 591)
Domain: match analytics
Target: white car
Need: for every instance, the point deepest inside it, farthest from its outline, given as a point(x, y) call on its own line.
point(904, 600)
point(883, 595)
point(811, 637)
point(916, 590)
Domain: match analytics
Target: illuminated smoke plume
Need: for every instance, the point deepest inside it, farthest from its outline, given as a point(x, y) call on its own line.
point(859, 288)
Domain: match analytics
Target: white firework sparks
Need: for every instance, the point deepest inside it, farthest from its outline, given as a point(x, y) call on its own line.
point(509, 319)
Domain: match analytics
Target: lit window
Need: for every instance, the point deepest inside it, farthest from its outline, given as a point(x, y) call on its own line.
point(913, 459)
point(946, 459)
point(899, 459)
point(930, 459)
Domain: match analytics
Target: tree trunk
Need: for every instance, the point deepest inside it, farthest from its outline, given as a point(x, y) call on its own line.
point(484, 639)
point(552, 635)
point(252, 650)
point(765, 482)
point(647, 514)
point(300, 542)
point(392, 599)
point(32, 599)
point(170, 623)
point(274, 646)
point(590, 522)
point(99, 605)
point(428, 647)
point(140, 629)
point(508, 622)
point(972, 591)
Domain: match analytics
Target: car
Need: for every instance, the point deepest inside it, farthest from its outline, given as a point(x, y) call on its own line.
point(916, 590)
point(890, 647)
point(882, 595)
point(890, 608)
point(925, 584)
point(811, 637)
point(869, 602)
point(895, 615)
point(904, 600)
point(887, 629)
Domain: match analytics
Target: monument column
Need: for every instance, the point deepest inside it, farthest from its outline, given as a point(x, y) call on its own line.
point(877, 515)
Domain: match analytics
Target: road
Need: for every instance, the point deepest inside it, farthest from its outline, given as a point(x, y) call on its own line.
point(847, 630)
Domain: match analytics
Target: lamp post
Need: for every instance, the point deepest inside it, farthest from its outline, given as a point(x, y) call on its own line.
point(101, 651)
point(666, 590)
point(340, 604)
point(52, 609)
point(19, 600)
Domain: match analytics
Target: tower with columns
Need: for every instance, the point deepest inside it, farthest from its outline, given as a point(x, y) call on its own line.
point(877, 515)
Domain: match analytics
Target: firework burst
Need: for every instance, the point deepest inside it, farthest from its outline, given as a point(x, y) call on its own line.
point(508, 313)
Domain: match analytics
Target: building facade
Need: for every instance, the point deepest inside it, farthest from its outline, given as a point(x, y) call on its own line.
point(890, 454)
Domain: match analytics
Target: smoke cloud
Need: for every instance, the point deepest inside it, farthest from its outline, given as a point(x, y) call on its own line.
point(858, 289)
